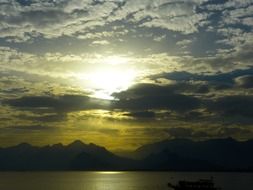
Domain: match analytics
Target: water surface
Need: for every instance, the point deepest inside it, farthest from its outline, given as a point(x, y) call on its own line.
point(116, 180)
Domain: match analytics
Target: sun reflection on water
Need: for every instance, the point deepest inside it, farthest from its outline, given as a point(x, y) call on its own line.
point(109, 172)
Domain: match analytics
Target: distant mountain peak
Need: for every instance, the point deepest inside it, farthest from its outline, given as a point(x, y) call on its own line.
point(24, 145)
point(58, 145)
point(94, 145)
point(77, 144)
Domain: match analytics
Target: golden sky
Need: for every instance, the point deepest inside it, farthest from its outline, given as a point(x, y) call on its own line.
point(122, 73)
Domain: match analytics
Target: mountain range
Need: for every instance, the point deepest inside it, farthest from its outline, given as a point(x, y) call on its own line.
point(168, 155)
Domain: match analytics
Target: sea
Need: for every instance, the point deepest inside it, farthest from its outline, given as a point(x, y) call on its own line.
point(117, 180)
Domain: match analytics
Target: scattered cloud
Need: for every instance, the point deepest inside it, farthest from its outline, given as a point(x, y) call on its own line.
point(103, 42)
point(190, 65)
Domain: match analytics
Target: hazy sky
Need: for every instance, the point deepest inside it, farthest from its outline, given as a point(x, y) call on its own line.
point(122, 73)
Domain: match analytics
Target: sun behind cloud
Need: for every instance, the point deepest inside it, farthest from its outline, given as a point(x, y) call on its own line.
point(110, 77)
point(125, 73)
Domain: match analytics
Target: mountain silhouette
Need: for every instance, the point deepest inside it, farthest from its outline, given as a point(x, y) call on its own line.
point(75, 156)
point(167, 160)
point(225, 154)
point(178, 154)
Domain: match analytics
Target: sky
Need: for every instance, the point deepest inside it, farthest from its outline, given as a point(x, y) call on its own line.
point(123, 73)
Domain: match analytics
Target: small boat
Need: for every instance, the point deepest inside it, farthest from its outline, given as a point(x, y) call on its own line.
point(201, 184)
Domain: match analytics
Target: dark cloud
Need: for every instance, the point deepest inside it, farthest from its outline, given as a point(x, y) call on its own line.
point(180, 132)
point(233, 106)
point(142, 115)
point(33, 102)
point(186, 82)
point(189, 87)
point(192, 116)
point(142, 89)
point(150, 96)
point(24, 2)
point(65, 103)
point(221, 132)
point(245, 81)
point(154, 89)
point(221, 78)
point(202, 89)
point(222, 86)
point(233, 131)
point(201, 134)
point(50, 118)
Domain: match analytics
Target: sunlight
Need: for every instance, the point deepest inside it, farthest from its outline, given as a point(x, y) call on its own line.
point(109, 172)
point(116, 60)
point(107, 81)
point(108, 75)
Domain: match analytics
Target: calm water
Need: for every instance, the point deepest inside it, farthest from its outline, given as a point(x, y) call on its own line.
point(115, 180)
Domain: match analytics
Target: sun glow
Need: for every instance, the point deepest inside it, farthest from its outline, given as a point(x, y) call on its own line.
point(107, 81)
point(110, 74)
point(116, 60)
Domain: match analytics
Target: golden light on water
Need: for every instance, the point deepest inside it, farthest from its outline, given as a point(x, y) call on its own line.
point(109, 172)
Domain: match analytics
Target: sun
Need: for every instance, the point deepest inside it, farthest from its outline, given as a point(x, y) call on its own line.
point(113, 76)
point(110, 80)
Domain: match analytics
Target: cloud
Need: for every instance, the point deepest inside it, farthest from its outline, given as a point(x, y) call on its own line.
point(215, 101)
point(211, 132)
point(14, 90)
point(49, 118)
point(245, 81)
point(192, 60)
point(233, 106)
point(175, 102)
point(142, 115)
point(51, 19)
point(150, 96)
point(233, 131)
point(25, 20)
point(159, 38)
point(108, 131)
point(153, 89)
point(102, 42)
point(219, 81)
point(170, 15)
point(184, 43)
point(30, 127)
point(180, 132)
point(238, 13)
point(65, 103)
